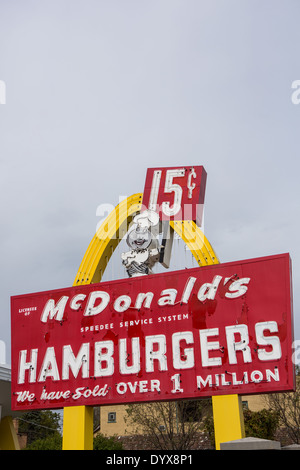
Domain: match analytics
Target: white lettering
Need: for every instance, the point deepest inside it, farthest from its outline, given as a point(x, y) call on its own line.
point(206, 347)
point(25, 395)
point(209, 289)
point(53, 310)
point(55, 395)
point(49, 367)
point(256, 376)
point(144, 300)
point(188, 290)
point(96, 392)
point(242, 345)
point(155, 385)
point(184, 359)
point(169, 296)
point(99, 300)
point(141, 386)
point(70, 362)
point(136, 359)
point(121, 388)
point(204, 383)
point(173, 187)
point(235, 381)
point(224, 381)
point(122, 303)
point(272, 375)
point(176, 384)
point(237, 288)
point(272, 341)
point(106, 357)
point(159, 354)
point(74, 305)
point(31, 366)
point(91, 309)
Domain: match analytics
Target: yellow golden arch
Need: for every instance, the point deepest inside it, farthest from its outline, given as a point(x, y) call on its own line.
point(116, 226)
point(78, 420)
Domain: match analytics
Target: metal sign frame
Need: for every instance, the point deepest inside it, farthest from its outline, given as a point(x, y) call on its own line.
point(187, 334)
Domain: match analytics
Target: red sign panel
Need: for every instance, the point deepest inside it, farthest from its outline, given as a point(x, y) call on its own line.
point(176, 193)
point(194, 333)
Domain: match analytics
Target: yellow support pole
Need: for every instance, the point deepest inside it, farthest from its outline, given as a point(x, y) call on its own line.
point(78, 428)
point(8, 435)
point(228, 418)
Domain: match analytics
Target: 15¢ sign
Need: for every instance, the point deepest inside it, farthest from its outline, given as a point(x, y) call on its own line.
point(176, 193)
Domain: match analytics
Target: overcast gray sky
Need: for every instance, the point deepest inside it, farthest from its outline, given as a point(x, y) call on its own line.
point(97, 91)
